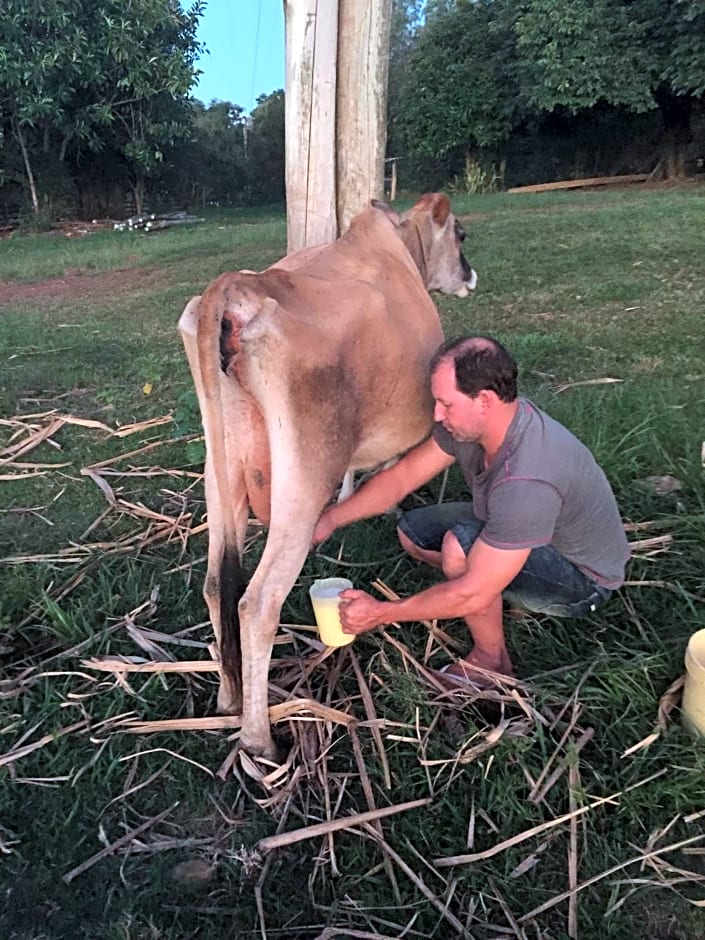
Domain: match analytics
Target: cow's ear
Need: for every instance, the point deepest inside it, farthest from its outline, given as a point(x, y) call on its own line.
point(438, 204)
point(391, 214)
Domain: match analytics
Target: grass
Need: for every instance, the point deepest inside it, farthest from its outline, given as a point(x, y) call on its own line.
point(580, 286)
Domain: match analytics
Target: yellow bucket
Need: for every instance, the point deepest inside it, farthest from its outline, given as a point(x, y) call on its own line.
point(325, 598)
point(693, 705)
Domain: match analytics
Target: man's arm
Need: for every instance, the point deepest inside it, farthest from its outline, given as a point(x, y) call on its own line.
point(489, 570)
point(386, 488)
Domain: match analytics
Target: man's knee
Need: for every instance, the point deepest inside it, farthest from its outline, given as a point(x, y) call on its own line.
point(453, 557)
point(416, 552)
point(411, 548)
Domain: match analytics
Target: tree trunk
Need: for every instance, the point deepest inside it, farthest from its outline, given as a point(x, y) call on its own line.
point(676, 111)
point(19, 134)
point(138, 188)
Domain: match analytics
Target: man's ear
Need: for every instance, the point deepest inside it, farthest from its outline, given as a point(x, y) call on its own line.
point(487, 398)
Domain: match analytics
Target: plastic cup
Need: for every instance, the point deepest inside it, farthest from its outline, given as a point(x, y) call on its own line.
point(693, 704)
point(325, 598)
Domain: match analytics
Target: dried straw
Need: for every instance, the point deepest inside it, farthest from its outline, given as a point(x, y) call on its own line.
point(335, 825)
point(543, 827)
point(558, 389)
point(558, 899)
point(115, 846)
point(573, 785)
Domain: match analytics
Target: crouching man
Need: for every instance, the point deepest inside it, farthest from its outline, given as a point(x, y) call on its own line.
point(543, 529)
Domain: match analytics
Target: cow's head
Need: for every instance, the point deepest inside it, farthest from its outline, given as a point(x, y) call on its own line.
point(434, 237)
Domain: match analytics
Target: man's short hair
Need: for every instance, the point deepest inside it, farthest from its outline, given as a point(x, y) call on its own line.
point(480, 362)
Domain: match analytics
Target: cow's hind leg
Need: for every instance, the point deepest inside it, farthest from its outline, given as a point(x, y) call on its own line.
point(288, 543)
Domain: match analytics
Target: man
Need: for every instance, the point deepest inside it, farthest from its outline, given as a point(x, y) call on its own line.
point(543, 529)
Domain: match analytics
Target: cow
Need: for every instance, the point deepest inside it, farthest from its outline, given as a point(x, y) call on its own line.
point(312, 368)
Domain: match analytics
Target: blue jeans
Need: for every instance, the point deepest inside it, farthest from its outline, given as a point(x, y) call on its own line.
point(547, 584)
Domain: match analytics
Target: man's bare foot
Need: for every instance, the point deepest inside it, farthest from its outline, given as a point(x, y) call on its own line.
point(479, 671)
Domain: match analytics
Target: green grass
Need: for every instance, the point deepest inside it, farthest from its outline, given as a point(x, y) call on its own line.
point(580, 286)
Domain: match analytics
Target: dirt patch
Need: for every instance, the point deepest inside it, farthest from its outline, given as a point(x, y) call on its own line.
point(82, 284)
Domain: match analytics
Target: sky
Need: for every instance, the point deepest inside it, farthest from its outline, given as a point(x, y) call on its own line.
point(245, 59)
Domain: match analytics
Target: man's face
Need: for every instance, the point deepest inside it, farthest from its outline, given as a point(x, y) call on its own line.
point(459, 414)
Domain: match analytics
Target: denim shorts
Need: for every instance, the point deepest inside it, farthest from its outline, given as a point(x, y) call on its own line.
point(547, 584)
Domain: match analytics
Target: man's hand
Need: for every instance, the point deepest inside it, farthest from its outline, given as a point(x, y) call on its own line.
point(325, 526)
point(359, 612)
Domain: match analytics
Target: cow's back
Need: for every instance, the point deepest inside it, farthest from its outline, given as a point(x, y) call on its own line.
point(350, 331)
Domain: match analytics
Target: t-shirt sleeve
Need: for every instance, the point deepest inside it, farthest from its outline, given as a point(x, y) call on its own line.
point(444, 439)
point(521, 514)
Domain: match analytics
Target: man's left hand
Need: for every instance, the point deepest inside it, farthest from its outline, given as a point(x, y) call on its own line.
point(359, 612)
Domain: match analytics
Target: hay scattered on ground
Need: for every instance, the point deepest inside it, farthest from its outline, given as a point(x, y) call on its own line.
point(322, 705)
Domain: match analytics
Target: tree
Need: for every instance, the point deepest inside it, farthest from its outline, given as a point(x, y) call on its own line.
point(407, 19)
point(265, 148)
point(82, 74)
point(212, 162)
point(43, 57)
point(460, 95)
point(639, 55)
point(150, 59)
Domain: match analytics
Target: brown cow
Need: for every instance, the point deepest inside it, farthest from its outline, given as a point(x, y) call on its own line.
point(314, 367)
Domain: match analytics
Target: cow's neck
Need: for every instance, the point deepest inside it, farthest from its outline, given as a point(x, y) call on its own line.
point(413, 240)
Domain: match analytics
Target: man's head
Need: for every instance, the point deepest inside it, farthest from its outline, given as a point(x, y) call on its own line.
point(473, 378)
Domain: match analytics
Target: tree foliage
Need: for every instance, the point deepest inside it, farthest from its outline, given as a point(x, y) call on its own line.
point(265, 148)
point(460, 90)
point(77, 74)
point(95, 98)
point(618, 51)
point(574, 55)
point(641, 55)
point(480, 69)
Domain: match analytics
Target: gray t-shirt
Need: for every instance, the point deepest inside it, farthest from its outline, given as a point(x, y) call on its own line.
point(544, 487)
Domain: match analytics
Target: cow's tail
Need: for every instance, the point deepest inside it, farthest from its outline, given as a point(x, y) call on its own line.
point(232, 577)
point(232, 582)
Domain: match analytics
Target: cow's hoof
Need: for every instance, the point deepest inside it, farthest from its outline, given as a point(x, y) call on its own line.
point(267, 750)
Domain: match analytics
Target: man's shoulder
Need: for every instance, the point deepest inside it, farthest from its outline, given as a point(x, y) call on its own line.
point(539, 430)
point(541, 450)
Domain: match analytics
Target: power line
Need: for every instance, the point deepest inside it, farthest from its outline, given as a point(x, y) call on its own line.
point(254, 63)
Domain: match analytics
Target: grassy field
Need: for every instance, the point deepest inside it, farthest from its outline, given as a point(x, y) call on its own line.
point(102, 554)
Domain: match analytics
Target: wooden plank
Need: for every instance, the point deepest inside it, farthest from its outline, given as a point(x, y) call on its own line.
point(361, 104)
point(309, 114)
point(578, 184)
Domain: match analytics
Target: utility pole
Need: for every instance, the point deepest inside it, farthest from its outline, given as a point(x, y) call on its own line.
point(337, 59)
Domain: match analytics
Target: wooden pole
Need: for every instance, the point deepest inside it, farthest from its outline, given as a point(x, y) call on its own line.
point(337, 54)
point(311, 62)
point(361, 104)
